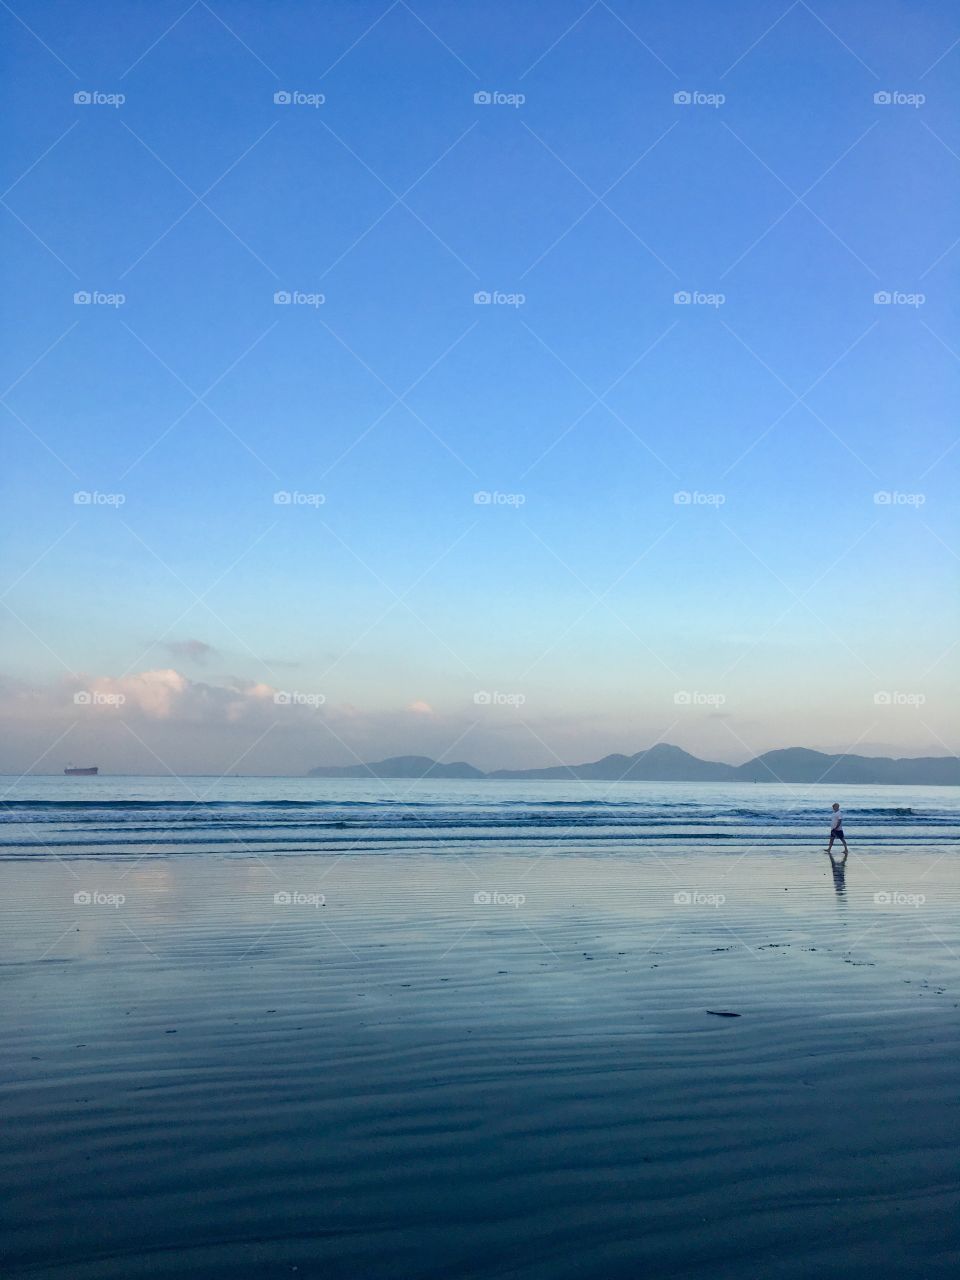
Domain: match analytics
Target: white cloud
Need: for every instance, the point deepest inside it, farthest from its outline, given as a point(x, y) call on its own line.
point(162, 694)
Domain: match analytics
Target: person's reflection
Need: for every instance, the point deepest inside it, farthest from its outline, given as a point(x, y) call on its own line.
point(839, 869)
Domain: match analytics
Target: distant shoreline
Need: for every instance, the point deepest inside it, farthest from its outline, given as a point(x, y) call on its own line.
point(665, 763)
point(661, 763)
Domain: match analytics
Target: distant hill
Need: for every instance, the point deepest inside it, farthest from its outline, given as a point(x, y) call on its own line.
point(797, 764)
point(661, 763)
point(399, 767)
point(666, 763)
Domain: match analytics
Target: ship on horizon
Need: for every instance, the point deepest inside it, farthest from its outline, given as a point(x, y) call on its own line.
point(82, 771)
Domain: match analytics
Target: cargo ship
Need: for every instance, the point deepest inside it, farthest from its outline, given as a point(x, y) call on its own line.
point(88, 771)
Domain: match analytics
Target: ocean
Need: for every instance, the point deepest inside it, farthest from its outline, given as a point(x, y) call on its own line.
point(122, 817)
point(263, 1027)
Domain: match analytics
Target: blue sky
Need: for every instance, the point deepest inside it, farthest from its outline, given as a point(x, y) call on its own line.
point(784, 397)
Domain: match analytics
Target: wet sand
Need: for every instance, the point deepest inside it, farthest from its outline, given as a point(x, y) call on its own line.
point(201, 1080)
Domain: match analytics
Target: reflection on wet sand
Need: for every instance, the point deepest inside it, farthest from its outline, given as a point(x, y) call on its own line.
point(839, 869)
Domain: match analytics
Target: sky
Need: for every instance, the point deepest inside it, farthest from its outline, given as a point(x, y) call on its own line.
point(507, 383)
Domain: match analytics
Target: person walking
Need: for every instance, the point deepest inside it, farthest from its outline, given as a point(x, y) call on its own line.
point(836, 830)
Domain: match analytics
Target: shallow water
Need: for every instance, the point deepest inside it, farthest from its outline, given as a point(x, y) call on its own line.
point(243, 816)
point(486, 1059)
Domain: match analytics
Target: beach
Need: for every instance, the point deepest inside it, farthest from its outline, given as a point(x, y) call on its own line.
point(481, 518)
point(478, 1054)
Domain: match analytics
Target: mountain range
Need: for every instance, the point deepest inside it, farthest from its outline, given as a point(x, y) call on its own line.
point(666, 763)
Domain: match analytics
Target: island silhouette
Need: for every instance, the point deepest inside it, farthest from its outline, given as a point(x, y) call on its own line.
point(665, 763)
